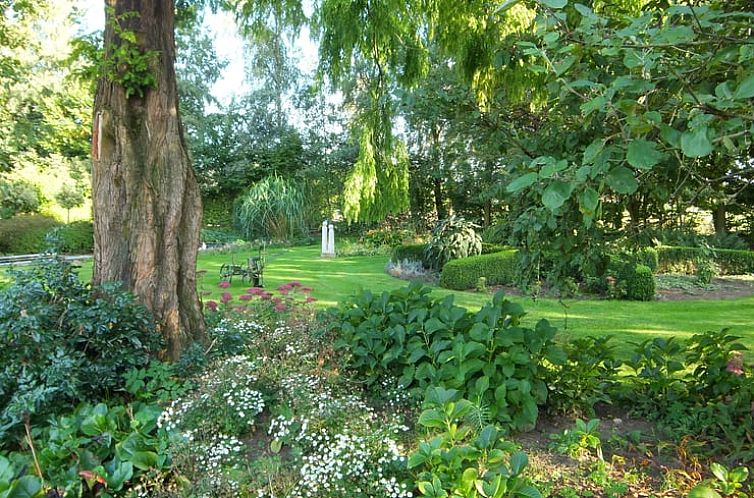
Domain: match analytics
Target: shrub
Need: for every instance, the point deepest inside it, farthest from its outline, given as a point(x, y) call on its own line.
point(76, 237)
point(25, 234)
point(706, 271)
point(411, 252)
point(685, 259)
point(498, 268)
point(640, 284)
point(63, 341)
point(452, 238)
point(487, 356)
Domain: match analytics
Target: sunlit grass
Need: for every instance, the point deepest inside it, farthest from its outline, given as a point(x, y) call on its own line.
point(334, 280)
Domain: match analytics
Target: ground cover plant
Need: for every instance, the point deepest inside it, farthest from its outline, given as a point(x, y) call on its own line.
point(282, 403)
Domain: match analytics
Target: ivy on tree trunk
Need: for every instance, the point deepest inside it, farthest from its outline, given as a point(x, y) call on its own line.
point(147, 206)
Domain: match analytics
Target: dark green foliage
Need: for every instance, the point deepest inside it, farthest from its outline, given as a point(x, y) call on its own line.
point(218, 212)
point(487, 356)
point(119, 443)
point(76, 238)
point(18, 482)
point(700, 387)
point(498, 268)
point(25, 234)
point(647, 256)
point(588, 376)
point(685, 259)
point(63, 342)
point(411, 252)
point(452, 238)
point(640, 283)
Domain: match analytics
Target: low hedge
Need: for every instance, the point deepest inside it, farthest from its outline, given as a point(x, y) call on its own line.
point(684, 259)
point(498, 268)
point(490, 248)
point(412, 252)
point(25, 233)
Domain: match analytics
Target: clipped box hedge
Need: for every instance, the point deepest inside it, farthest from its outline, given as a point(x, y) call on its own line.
point(683, 259)
point(498, 268)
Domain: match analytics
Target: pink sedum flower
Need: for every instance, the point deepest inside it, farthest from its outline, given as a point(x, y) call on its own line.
point(245, 297)
point(280, 307)
point(211, 305)
point(310, 299)
point(736, 364)
point(226, 297)
point(224, 285)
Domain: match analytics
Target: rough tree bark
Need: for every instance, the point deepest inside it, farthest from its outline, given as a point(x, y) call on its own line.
point(147, 207)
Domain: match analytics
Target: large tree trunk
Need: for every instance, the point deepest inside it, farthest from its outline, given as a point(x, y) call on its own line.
point(147, 208)
point(718, 219)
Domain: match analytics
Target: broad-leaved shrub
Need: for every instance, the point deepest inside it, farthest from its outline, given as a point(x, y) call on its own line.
point(63, 341)
point(489, 356)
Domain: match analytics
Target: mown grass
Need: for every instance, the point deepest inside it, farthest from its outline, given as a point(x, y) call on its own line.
point(334, 280)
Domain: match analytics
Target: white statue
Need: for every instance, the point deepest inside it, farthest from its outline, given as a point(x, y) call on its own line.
point(331, 240)
point(324, 238)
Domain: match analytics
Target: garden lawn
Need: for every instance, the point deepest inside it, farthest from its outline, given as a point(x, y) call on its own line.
point(334, 280)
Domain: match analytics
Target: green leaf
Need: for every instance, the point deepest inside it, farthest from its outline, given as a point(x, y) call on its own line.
point(643, 154)
point(487, 437)
point(432, 418)
point(144, 460)
point(719, 471)
point(622, 180)
point(519, 461)
point(696, 143)
point(522, 182)
point(555, 4)
point(593, 150)
point(529, 492)
point(701, 491)
point(25, 487)
point(552, 167)
point(123, 472)
point(6, 471)
point(556, 194)
point(276, 445)
point(564, 65)
point(746, 89)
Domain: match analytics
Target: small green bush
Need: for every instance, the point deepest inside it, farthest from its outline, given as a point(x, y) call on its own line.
point(498, 268)
point(76, 238)
point(640, 284)
point(25, 234)
point(411, 252)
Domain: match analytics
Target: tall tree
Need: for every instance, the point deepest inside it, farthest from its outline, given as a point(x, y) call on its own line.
point(147, 207)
